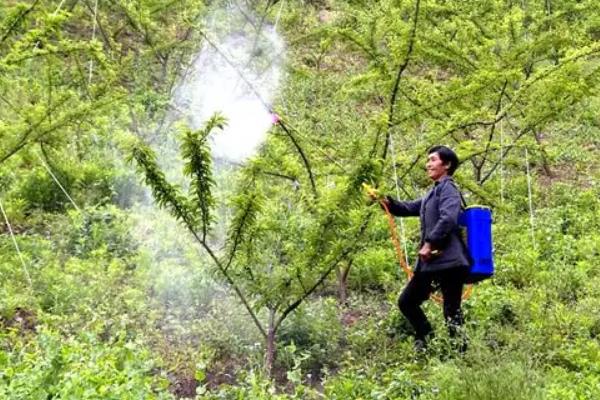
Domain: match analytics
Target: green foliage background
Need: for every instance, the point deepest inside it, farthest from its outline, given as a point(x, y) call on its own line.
point(369, 86)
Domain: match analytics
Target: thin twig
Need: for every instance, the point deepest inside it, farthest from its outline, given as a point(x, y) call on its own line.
point(304, 158)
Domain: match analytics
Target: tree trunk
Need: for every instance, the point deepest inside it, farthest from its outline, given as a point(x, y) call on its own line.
point(476, 171)
point(271, 349)
point(342, 276)
point(342, 287)
point(545, 164)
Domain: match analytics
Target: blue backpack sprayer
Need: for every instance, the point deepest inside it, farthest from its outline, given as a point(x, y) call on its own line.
point(477, 224)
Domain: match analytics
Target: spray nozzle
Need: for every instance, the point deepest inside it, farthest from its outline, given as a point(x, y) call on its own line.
point(275, 118)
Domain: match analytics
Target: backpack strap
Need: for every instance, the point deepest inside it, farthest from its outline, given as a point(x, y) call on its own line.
point(458, 229)
point(462, 198)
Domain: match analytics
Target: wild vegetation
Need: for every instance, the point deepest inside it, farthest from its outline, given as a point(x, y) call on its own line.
point(282, 282)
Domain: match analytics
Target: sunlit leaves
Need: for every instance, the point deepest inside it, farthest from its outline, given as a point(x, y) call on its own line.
point(165, 194)
point(196, 152)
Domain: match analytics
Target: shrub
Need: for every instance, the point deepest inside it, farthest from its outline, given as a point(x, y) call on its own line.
point(79, 367)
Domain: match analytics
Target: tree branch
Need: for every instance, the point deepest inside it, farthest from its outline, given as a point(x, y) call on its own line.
point(32, 127)
point(238, 234)
point(17, 20)
point(343, 254)
point(303, 156)
point(493, 128)
point(449, 132)
point(403, 66)
point(230, 281)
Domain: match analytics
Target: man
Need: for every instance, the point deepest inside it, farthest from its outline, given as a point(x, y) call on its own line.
point(443, 259)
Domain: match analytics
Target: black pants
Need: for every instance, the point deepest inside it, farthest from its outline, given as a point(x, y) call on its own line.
point(421, 286)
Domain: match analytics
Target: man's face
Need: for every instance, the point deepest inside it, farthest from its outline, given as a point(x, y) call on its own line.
point(435, 167)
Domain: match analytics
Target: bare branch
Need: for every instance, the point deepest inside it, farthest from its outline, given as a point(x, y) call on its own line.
point(403, 66)
point(493, 128)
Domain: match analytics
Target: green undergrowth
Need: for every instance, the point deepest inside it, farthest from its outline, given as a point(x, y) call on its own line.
point(115, 300)
point(102, 321)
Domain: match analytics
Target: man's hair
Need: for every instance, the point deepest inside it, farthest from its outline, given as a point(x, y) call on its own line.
point(447, 155)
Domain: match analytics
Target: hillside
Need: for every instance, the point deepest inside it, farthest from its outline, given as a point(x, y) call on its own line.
point(183, 213)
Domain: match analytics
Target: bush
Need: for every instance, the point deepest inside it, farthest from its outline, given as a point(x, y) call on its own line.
point(313, 331)
point(487, 378)
point(97, 230)
point(39, 191)
point(79, 367)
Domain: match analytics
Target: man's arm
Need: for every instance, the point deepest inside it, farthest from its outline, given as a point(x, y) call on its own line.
point(404, 208)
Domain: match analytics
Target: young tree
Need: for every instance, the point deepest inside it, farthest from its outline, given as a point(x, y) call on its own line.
point(282, 243)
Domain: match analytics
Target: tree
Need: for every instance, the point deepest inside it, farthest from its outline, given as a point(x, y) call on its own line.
point(282, 243)
point(388, 81)
point(70, 72)
point(463, 71)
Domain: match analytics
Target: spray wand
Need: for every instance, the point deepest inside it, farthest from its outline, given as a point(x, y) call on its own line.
point(374, 194)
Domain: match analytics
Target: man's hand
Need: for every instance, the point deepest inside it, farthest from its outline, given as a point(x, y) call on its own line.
point(371, 192)
point(374, 196)
point(426, 252)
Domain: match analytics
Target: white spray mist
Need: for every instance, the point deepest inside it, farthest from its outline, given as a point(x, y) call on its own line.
point(237, 74)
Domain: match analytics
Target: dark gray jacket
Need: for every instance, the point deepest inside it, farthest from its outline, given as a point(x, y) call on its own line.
point(438, 211)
